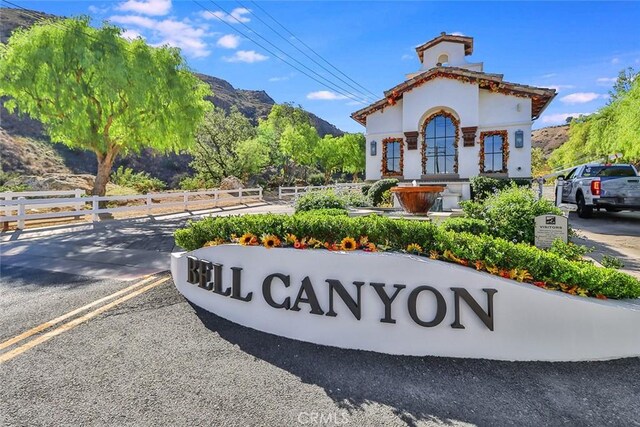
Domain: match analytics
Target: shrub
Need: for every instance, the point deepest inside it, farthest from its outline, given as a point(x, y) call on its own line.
point(378, 188)
point(466, 225)
point(496, 255)
point(191, 183)
point(329, 212)
point(354, 199)
point(140, 181)
point(485, 186)
point(387, 199)
point(510, 213)
point(313, 200)
point(611, 262)
point(569, 251)
point(365, 189)
point(316, 179)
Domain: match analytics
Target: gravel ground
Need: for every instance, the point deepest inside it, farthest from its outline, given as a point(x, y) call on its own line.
point(157, 360)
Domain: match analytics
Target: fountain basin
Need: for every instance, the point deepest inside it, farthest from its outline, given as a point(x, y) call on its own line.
point(419, 199)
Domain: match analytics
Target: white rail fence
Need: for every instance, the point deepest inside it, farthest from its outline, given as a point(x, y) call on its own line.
point(297, 191)
point(18, 207)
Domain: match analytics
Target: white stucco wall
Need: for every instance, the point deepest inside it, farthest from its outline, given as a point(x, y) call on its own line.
point(455, 52)
point(382, 124)
point(472, 106)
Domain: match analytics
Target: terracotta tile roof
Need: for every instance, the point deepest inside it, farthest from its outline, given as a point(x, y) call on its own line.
point(541, 97)
point(444, 37)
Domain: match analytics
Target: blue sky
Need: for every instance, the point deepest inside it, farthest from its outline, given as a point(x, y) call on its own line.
point(576, 47)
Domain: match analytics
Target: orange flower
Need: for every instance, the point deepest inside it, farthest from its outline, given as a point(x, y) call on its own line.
point(370, 247)
point(270, 241)
point(248, 239)
point(434, 254)
point(348, 244)
point(290, 239)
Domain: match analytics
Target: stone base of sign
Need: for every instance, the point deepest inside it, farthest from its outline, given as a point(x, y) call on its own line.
point(402, 304)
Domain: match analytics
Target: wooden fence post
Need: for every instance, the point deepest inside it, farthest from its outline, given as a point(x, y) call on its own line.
point(149, 201)
point(94, 208)
point(185, 200)
point(21, 213)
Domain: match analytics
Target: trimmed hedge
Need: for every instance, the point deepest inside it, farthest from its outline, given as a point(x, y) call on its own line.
point(329, 199)
point(496, 255)
point(484, 186)
point(468, 225)
point(377, 190)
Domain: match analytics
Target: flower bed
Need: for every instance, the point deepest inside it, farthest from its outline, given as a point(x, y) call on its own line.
point(517, 261)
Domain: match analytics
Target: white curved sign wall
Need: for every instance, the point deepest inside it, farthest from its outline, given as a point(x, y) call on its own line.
point(402, 304)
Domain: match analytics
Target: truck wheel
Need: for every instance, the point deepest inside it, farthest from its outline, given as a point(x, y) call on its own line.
point(584, 211)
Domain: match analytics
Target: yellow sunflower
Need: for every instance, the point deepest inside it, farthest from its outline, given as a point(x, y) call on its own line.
point(248, 239)
point(414, 248)
point(270, 241)
point(348, 244)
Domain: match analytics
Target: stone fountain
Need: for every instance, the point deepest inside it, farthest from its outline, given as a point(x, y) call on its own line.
point(416, 199)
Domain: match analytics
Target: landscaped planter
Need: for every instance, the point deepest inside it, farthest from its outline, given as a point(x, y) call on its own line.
point(440, 309)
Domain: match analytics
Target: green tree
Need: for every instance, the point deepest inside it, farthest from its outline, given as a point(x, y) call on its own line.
point(623, 83)
point(353, 146)
point(539, 166)
point(297, 143)
point(222, 149)
point(96, 91)
point(328, 155)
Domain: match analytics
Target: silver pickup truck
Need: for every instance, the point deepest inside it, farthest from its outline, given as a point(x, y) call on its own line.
point(614, 187)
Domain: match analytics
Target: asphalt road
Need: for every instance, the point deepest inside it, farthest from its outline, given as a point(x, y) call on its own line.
point(157, 360)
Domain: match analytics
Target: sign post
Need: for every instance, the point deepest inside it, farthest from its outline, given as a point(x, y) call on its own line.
point(548, 228)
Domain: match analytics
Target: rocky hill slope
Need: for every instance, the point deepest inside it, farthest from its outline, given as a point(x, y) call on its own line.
point(550, 138)
point(26, 150)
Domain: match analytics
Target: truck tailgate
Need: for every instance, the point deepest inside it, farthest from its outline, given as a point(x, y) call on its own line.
point(627, 186)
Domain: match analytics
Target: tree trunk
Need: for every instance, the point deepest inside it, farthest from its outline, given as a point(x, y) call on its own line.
point(105, 164)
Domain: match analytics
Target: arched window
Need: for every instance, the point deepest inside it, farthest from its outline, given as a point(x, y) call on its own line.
point(443, 59)
point(494, 151)
point(440, 148)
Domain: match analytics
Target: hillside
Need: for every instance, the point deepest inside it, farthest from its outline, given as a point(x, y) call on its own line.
point(26, 150)
point(550, 138)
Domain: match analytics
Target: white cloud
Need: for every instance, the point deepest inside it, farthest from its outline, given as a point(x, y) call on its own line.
point(457, 33)
point(548, 76)
point(279, 79)
point(181, 34)
point(615, 61)
point(325, 95)
point(229, 41)
point(236, 16)
point(606, 81)
point(97, 10)
point(581, 97)
point(248, 56)
point(560, 118)
point(131, 35)
point(406, 57)
point(560, 88)
point(146, 7)
point(356, 103)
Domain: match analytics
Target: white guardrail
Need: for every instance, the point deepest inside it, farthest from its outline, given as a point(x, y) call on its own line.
point(297, 191)
point(18, 207)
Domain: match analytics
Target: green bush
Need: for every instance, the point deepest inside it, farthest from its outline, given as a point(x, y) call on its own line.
point(316, 179)
point(546, 267)
point(329, 212)
point(192, 183)
point(569, 251)
point(379, 187)
point(510, 213)
point(485, 186)
point(365, 189)
point(468, 225)
point(611, 262)
point(354, 199)
point(139, 181)
point(325, 199)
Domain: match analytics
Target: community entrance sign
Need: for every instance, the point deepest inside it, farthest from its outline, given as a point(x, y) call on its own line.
point(401, 304)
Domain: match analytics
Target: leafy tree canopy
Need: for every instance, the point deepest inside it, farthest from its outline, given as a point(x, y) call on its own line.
point(96, 91)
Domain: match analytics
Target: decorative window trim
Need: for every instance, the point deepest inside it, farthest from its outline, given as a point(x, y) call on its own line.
point(505, 150)
point(383, 168)
point(423, 130)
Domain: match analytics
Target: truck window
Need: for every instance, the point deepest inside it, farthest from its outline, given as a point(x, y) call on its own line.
point(613, 170)
point(570, 174)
